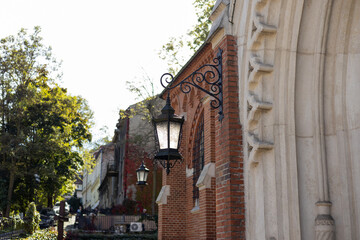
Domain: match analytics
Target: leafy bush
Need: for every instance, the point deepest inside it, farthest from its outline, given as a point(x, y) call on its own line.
point(32, 219)
point(47, 234)
point(74, 203)
point(11, 224)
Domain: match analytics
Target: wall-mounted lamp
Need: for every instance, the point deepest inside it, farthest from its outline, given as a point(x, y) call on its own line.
point(168, 125)
point(168, 128)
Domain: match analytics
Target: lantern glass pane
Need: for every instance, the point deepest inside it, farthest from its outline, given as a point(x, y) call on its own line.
point(141, 178)
point(138, 176)
point(145, 175)
point(161, 129)
point(174, 134)
point(162, 132)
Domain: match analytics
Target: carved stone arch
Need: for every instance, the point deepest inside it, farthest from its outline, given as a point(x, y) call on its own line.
point(266, 86)
point(340, 116)
point(326, 106)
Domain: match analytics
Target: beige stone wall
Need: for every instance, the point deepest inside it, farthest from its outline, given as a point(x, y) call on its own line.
point(299, 67)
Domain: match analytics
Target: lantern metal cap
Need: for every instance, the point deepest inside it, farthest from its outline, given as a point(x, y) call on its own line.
point(168, 109)
point(168, 112)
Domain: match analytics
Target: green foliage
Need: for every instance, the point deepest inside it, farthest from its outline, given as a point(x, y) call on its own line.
point(201, 30)
point(179, 49)
point(32, 219)
point(74, 203)
point(88, 160)
point(11, 224)
point(47, 234)
point(41, 125)
point(144, 90)
point(102, 138)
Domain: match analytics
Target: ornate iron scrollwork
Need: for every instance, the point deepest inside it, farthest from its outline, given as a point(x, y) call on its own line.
point(211, 74)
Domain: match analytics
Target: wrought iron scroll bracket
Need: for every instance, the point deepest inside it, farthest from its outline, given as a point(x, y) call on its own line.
point(210, 74)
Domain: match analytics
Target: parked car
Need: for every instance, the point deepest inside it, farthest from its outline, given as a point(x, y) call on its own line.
point(56, 208)
point(47, 216)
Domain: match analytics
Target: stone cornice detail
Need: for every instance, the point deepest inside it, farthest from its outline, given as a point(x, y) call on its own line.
point(207, 173)
point(219, 7)
point(257, 146)
point(164, 193)
point(324, 222)
point(260, 29)
point(253, 111)
point(258, 70)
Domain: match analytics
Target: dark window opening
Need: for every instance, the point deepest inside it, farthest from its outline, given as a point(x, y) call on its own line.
point(198, 158)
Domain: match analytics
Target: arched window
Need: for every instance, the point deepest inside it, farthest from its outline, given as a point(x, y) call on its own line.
point(198, 158)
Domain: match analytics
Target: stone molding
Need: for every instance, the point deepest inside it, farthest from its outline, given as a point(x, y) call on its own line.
point(220, 18)
point(189, 172)
point(257, 146)
point(261, 29)
point(207, 173)
point(324, 222)
point(164, 193)
point(258, 69)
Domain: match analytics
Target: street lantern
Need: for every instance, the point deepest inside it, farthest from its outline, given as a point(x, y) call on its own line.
point(168, 126)
point(142, 174)
point(167, 132)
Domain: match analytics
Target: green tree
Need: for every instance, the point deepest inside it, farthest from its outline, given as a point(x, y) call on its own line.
point(179, 49)
point(41, 125)
point(145, 91)
point(32, 219)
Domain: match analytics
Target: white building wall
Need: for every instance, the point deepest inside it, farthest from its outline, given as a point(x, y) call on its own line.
point(91, 183)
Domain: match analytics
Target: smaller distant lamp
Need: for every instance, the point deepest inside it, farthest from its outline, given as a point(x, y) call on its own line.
point(142, 174)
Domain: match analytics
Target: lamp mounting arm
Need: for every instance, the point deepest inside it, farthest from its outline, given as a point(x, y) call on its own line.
point(210, 74)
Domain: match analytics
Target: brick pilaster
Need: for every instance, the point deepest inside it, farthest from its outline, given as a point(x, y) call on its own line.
point(230, 199)
point(172, 224)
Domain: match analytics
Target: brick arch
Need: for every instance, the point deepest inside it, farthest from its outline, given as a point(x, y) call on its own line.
point(199, 110)
point(175, 104)
point(175, 101)
point(191, 102)
point(185, 102)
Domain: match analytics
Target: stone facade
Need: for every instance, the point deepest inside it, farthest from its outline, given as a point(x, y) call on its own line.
point(286, 154)
point(132, 142)
point(108, 176)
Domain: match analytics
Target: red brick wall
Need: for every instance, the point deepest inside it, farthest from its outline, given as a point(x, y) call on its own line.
point(221, 207)
point(172, 215)
point(230, 200)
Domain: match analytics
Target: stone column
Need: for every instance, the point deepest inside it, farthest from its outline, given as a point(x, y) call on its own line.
point(324, 223)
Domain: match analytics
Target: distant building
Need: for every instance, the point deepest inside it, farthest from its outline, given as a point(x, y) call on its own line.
point(108, 176)
point(91, 183)
point(78, 187)
point(114, 177)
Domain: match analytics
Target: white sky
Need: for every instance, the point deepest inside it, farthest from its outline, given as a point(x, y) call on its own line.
point(103, 43)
